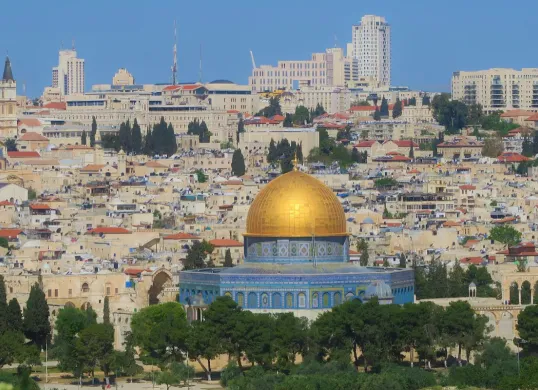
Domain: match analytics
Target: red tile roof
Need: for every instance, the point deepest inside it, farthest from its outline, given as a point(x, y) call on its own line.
point(133, 271)
point(279, 118)
point(516, 113)
point(6, 203)
point(512, 157)
point(10, 233)
point(365, 144)
point(219, 243)
point(451, 224)
point(362, 108)
point(180, 236)
point(56, 106)
point(39, 206)
point(31, 122)
point(92, 167)
point(155, 164)
point(477, 260)
point(108, 230)
point(23, 154)
point(405, 143)
point(467, 187)
point(32, 136)
point(532, 118)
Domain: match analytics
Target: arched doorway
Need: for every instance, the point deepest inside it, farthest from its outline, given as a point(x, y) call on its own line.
point(85, 306)
point(525, 293)
point(161, 280)
point(514, 293)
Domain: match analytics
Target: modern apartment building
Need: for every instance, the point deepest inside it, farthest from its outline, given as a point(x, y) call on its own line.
point(498, 88)
point(69, 74)
point(371, 47)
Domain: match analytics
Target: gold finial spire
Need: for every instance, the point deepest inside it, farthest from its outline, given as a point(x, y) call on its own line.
point(295, 162)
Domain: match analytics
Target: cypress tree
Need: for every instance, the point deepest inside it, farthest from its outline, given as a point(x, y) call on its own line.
point(272, 155)
point(3, 306)
point(355, 157)
point(106, 311)
point(14, 316)
point(238, 163)
point(93, 133)
point(36, 323)
point(205, 135)
point(171, 144)
point(377, 114)
point(136, 135)
point(384, 110)
point(228, 259)
point(83, 138)
point(397, 109)
point(300, 152)
point(403, 261)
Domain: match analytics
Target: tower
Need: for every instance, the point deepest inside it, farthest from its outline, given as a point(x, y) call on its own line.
point(371, 47)
point(174, 64)
point(68, 76)
point(8, 102)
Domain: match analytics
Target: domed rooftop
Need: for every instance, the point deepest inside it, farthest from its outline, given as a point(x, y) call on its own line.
point(368, 221)
point(221, 81)
point(378, 289)
point(296, 205)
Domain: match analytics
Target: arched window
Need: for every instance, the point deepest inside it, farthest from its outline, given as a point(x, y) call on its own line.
point(252, 300)
point(337, 298)
point(85, 288)
point(240, 299)
point(277, 301)
point(302, 300)
point(265, 300)
point(326, 299)
point(289, 300)
point(315, 300)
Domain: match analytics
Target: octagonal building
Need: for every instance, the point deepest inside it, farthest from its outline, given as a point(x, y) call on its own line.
point(296, 251)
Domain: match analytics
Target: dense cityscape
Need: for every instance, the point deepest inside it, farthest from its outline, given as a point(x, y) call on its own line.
point(316, 228)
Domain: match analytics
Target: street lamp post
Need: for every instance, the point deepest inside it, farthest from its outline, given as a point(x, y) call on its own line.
point(519, 342)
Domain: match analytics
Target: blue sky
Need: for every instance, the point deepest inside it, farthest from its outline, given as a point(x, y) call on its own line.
point(430, 38)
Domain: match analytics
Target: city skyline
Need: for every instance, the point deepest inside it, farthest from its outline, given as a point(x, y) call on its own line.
point(421, 58)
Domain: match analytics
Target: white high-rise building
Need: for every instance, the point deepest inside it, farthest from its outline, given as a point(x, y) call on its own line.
point(371, 47)
point(69, 74)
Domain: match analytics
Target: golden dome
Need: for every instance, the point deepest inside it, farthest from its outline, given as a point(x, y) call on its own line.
point(296, 205)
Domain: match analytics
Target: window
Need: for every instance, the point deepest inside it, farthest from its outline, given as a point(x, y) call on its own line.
point(252, 300)
point(108, 291)
point(289, 300)
point(85, 288)
point(302, 300)
point(326, 300)
point(277, 301)
point(240, 299)
point(116, 290)
point(70, 292)
point(49, 293)
point(315, 300)
point(56, 293)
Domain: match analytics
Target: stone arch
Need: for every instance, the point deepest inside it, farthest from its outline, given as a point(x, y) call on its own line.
point(525, 293)
point(160, 280)
point(85, 306)
point(69, 304)
point(85, 287)
point(337, 298)
point(277, 301)
point(252, 300)
point(506, 326)
point(514, 293)
point(240, 299)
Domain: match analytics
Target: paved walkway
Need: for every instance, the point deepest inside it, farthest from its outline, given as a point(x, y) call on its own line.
point(132, 386)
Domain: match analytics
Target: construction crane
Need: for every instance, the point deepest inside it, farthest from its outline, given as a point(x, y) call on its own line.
point(174, 64)
point(252, 58)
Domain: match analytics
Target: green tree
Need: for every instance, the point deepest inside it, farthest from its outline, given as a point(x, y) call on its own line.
point(397, 109)
point(384, 110)
point(505, 234)
point(271, 110)
point(452, 114)
point(94, 346)
point(136, 138)
point(355, 156)
point(203, 343)
point(385, 183)
point(456, 281)
point(290, 339)
point(493, 147)
point(161, 332)
point(527, 327)
point(272, 153)
point(83, 138)
point(200, 175)
point(475, 114)
point(106, 311)
point(125, 136)
point(426, 100)
point(362, 247)
point(111, 141)
point(240, 128)
point(149, 147)
point(288, 121)
point(461, 324)
point(361, 103)
point(36, 318)
point(301, 116)
point(196, 255)
point(228, 262)
point(10, 144)
point(14, 316)
point(174, 374)
point(403, 260)
point(170, 147)
point(93, 133)
point(377, 115)
point(238, 163)
point(124, 363)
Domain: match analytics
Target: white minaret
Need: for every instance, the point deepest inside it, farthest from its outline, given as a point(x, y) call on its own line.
point(371, 47)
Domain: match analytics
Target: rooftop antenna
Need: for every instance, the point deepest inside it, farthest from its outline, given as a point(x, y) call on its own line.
point(200, 73)
point(174, 65)
point(335, 41)
point(73, 44)
point(252, 58)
